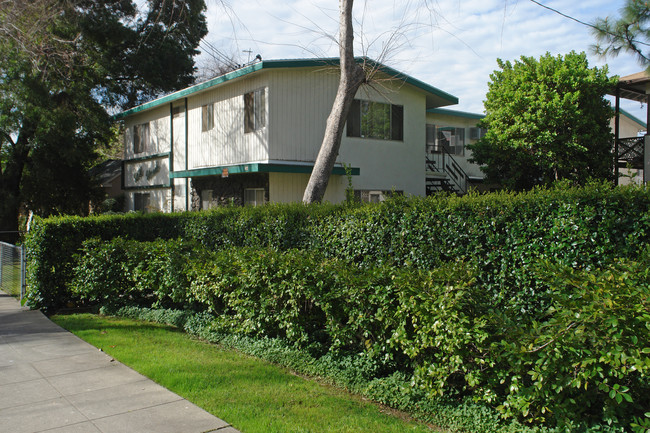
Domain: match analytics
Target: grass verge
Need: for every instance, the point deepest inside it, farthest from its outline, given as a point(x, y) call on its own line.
point(252, 395)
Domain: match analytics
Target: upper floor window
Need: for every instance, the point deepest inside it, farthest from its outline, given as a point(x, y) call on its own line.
point(141, 138)
point(254, 110)
point(207, 117)
point(448, 138)
point(369, 119)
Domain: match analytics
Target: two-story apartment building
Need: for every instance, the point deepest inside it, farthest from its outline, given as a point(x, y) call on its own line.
point(252, 136)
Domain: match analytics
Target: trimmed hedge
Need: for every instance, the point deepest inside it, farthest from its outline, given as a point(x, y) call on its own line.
point(502, 234)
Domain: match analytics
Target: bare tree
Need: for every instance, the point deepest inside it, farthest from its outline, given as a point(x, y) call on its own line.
point(351, 78)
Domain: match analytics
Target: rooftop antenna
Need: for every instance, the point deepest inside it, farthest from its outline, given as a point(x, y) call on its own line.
point(249, 51)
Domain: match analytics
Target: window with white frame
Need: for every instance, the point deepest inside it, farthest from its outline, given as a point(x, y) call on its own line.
point(254, 196)
point(141, 138)
point(369, 119)
point(207, 117)
point(254, 110)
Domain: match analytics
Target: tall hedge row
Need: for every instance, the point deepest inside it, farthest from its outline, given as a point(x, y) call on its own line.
point(502, 234)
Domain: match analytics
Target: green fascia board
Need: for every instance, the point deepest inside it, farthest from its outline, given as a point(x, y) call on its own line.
point(147, 187)
point(256, 168)
point(456, 113)
point(148, 157)
point(279, 64)
point(634, 118)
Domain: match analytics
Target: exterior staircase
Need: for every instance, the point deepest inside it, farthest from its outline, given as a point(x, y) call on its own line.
point(443, 174)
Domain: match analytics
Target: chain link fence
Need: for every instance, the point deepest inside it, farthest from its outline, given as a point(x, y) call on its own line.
point(12, 269)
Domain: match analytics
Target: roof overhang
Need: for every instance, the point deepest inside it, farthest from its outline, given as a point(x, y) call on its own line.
point(258, 167)
point(635, 87)
point(434, 96)
point(456, 113)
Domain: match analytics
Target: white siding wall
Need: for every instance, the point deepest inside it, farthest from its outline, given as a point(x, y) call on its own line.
point(226, 143)
point(158, 120)
point(300, 102)
point(289, 188)
point(388, 164)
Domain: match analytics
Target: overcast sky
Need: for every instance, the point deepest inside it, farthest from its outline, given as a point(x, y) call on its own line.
point(450, 44)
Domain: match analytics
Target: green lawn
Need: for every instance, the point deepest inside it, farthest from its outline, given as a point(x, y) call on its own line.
point(252, 395)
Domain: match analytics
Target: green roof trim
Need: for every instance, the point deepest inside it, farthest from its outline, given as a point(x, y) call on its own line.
point(148, 157)
point(279, 64)
point(634, 118)
point(256, 168)
point(147, 187)
point(456, 113)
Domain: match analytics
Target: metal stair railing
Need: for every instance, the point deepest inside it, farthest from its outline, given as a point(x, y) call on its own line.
point(442, 161)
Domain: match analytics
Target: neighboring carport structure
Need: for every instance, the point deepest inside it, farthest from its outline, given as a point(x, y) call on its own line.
point(633, 151)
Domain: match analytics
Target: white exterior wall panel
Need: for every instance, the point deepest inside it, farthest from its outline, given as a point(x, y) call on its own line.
point(390, 164)
point(226, 143)
point(159, 132)
point(289, 188)
point(300, 102)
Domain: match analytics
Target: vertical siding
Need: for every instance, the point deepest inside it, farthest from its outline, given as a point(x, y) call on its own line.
point(226, 143)
point(159, 131)
point(180, 195)
point(300, 102)
point(289, 188)
point(390, 164)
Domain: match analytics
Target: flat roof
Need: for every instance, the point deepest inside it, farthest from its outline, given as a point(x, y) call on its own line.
point(435, 96)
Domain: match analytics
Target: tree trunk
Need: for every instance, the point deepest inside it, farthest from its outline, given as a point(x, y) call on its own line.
point(352, 76)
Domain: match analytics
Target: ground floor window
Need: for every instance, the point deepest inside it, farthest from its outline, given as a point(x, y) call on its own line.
point(141, 201)
point(374, 196)
point(254, 196)
point(207, 199)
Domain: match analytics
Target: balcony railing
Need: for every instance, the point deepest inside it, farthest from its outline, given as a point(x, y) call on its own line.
point(630, 152)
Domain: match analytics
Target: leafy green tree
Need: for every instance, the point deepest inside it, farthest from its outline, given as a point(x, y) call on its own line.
point(546, 120)
point(628, 33)
point(63, 66)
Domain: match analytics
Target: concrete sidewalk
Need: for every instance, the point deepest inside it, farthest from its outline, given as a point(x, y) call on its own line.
point(51, 381)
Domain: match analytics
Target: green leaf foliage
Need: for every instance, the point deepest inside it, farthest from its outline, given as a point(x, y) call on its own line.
point(64, 64)
point(546, 120)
